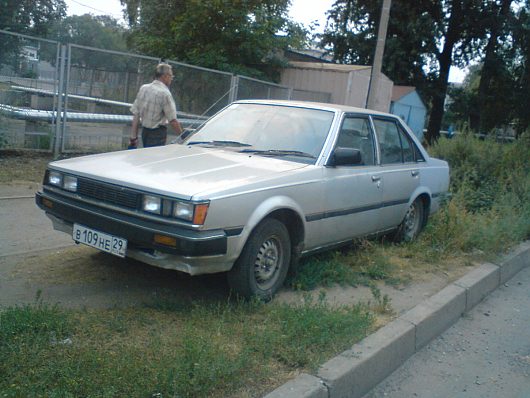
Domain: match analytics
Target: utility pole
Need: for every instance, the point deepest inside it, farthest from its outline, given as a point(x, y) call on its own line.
point(375, 74)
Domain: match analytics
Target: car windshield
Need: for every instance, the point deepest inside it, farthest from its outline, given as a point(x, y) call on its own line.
point(267, 130)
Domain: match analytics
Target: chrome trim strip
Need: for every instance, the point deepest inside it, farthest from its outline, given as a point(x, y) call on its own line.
point(352, 210)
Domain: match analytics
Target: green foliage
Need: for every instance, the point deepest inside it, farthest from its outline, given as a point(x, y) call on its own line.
point(168, 348)
point(30, 16)
point(360, 265)
point(425, 38)
point(494, 94)
point(239, 36)
point(32, 325)
point(489, 210)
point(297, 332)
point(92, 31)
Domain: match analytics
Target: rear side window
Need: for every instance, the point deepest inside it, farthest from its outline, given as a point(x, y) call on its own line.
point(396, 146)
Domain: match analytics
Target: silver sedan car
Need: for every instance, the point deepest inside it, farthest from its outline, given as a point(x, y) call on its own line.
point(260, 184)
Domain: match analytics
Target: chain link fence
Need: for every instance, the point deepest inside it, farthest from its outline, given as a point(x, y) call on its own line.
point(72, 98)
point(27, 65)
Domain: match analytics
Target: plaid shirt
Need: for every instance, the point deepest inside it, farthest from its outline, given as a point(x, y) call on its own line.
point(154, 105)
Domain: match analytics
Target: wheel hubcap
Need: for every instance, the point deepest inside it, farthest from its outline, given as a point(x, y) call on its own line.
point(412, 222)
point(268, 263)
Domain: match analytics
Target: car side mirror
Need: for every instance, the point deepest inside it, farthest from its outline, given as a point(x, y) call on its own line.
point(345, 156)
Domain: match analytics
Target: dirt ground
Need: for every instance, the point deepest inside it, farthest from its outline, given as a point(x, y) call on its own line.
point(36, 260)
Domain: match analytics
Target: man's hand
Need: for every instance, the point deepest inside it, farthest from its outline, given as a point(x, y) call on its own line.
point(133, 143)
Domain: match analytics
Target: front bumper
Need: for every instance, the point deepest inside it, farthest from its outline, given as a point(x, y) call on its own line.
point(196, 252)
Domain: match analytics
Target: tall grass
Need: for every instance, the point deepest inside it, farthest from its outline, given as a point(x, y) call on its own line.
point(490, 205)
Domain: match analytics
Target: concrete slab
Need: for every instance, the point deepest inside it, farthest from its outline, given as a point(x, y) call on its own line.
point(303, 385)
point(437, 313)
point(515, 261)
point(479, 283)
point(354, 372)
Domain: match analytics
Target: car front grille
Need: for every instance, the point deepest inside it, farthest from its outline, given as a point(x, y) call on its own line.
point(108, 193)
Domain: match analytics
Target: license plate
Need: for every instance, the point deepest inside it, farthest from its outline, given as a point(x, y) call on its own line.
point(100, 240)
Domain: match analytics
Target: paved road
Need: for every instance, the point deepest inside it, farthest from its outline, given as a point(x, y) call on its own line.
point(24, 227)
point(486, 354)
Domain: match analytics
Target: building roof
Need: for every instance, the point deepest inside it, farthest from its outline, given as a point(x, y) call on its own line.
point(400, 91)
point(327, 67)
point(308, 55)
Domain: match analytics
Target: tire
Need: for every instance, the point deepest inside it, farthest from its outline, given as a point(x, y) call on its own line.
point(413, 223)
point(262, 266)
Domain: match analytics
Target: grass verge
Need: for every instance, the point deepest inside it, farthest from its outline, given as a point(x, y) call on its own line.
point(170, 349)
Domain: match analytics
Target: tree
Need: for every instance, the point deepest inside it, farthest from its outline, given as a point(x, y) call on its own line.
point(425, 38)
point(88, 30)
point(33, 17)
point(241, 36)
point(492, 64)
point(495, 91)
point(521, 68)
point(30, 16)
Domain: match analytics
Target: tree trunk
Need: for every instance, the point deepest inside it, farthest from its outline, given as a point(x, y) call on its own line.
point(445, 59)
point(438, 100)
point(488, 68)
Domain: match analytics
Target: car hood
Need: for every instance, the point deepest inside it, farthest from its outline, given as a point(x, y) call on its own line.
point(178, 170)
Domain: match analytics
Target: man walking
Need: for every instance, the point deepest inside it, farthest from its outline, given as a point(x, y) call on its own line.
point(154, 108)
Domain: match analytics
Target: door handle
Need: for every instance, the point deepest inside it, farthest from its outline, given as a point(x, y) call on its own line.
point(415, 173)
point(376, 178)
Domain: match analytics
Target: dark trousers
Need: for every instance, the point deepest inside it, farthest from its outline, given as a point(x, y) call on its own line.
point(154, 137)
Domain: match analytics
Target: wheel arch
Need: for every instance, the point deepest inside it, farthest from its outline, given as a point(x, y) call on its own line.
point(426, 200)
point(285, 210)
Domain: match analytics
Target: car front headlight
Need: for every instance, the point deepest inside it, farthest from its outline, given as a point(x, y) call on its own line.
point(183, 210)
point(70, 183)
point(152, 204)
point(55, 178)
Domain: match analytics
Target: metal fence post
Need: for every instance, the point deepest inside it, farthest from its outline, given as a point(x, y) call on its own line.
point(60, 99)
point(234, 86)
point(66, 88)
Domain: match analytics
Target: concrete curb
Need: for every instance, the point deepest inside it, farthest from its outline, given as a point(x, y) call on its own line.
point(355, 372)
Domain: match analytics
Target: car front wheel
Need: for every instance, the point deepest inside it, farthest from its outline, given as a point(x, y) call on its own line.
point(263, 264)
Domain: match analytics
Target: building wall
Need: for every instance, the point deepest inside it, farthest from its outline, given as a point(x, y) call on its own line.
point(412, 110)
point(346, 87)
point(359, 91)
point(332, 82)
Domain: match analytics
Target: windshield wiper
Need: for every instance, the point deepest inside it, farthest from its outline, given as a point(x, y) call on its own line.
point(218, 143)
point(278, 152)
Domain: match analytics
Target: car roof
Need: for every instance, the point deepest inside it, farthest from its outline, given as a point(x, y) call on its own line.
point(317, 105)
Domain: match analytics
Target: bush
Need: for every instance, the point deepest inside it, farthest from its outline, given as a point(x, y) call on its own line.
point(490, 185)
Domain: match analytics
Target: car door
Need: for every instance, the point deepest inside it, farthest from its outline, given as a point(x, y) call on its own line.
point(400, 172)
point(353, 192)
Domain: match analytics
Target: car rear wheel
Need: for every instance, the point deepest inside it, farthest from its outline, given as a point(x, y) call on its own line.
point(263, 264)
point(413, 223)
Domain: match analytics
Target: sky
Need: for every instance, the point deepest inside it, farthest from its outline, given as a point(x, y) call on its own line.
point(303, 11)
